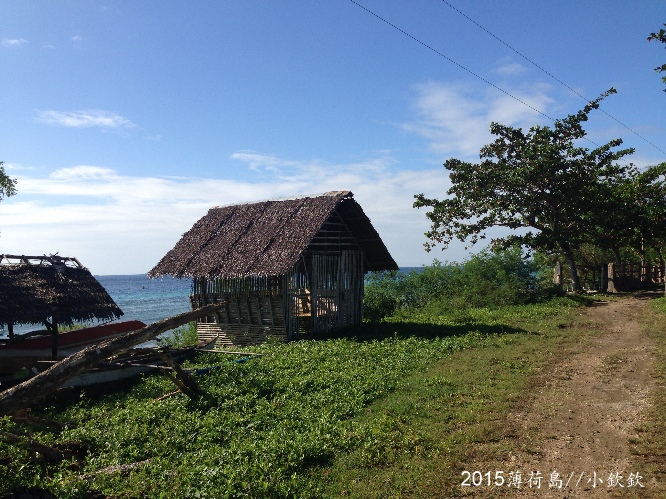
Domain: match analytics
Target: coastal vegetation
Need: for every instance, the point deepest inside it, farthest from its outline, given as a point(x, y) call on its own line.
point(400, 403)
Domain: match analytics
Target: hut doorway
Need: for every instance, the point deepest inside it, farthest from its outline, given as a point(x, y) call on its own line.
point(337, 290)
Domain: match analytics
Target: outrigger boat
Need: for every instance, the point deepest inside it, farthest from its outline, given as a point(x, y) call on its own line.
point(133, 363)
point(33, 351)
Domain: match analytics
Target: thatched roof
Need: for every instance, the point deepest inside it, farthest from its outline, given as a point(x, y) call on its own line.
point(34, 289)
point(267, 238)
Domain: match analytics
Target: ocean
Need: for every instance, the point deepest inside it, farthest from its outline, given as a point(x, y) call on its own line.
point(140, 298)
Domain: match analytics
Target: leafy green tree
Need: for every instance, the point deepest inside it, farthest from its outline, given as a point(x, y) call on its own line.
point(541, 184)
point(648, 194)
point(659, 36)
point(7, 184)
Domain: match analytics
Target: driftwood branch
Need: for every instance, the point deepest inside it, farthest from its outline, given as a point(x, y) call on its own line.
point(45, 450)
point(24, 416)
point(31, 391)
point(123, 469)
point(184, 381)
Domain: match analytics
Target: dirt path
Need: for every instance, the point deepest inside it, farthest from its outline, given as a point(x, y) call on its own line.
point(586, 413)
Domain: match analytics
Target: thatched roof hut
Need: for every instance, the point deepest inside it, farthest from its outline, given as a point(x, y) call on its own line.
point(283, 267)
point(51, 290)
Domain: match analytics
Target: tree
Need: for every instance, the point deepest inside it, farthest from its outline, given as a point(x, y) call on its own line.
point(540, 181)
point(7, 184)
point(659, 36)
point(647, 194)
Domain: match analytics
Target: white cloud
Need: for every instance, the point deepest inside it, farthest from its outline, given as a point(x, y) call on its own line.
point(455, 119)
point(508, 68)
point(257, 162)
point(85, 119)
point(119, 224)
point(13, 42)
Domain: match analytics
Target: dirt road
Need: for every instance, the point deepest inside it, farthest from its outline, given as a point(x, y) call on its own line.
point(586, 411)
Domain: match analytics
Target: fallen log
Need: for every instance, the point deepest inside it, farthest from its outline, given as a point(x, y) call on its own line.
point(45, 450)
point(31, 391)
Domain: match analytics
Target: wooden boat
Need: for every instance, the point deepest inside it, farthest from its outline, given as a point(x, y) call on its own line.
point(33, 350)
point(131, 364)
point(127, 366)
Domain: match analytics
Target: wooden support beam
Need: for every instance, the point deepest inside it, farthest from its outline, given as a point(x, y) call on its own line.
point(184, 381)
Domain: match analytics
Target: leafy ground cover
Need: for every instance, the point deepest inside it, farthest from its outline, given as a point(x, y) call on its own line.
point(362, 415)
point(651, 443)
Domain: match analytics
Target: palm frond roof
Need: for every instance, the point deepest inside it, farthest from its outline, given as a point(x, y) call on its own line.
point(38, 288)
point(267, 238)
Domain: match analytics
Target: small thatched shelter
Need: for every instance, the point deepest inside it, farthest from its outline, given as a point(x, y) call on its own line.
point(50, 290)
point(283, 268)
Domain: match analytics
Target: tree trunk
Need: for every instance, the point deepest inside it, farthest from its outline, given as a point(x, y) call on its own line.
point(573, 270)
point(618, 258)
point(31, 391)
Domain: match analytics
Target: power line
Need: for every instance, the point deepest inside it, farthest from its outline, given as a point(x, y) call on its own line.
point(548, 73)
point(449, 59)
point(459, 65)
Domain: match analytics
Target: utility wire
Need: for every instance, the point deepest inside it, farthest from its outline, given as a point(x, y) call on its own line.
point(459, 65)
point(548, 73)
point(449, 59)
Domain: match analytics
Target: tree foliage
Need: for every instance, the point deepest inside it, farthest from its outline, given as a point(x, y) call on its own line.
point(7, 184)
point(542, 184)
point(661, 37)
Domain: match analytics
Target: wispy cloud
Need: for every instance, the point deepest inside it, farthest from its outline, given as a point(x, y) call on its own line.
point(13, 42)
point(256, 161)
point(510, 68)
point(455, 119)
point(85, 119)
point(124, 224)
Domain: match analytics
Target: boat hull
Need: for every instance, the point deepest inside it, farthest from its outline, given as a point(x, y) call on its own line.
point(35, 352)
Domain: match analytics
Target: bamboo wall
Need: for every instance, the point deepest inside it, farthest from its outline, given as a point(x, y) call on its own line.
point(322, 292)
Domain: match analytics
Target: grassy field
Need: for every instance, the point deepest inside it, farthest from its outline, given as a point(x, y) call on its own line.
point(391, 409)
point(651, 444)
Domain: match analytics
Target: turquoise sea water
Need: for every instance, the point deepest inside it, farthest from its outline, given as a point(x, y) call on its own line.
point(148, 300)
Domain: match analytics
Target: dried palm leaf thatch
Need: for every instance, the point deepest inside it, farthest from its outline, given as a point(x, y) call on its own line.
point(35, 289)
point(268, 238)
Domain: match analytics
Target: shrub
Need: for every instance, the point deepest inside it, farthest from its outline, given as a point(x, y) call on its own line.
point(487, 279)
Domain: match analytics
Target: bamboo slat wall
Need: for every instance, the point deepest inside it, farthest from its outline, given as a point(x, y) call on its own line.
point(337, 289)
point(313, 298)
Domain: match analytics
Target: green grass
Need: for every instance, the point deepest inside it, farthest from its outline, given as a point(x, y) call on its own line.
point(651, 442)
point(398, 408)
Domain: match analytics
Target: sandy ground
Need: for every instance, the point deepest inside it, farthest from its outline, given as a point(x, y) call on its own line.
point(586, 412)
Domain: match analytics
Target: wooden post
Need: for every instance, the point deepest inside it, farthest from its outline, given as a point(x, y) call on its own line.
point(31, 391)
point(54, 339)
point(603, 285)
point(10, 330)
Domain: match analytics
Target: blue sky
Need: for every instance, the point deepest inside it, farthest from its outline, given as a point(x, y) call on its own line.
point(124, 121)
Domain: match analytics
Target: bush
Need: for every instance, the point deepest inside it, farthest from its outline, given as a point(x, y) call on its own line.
point(182, 336)
point(487, 279)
